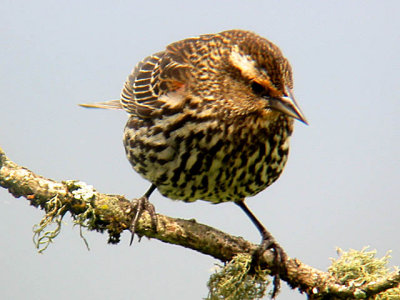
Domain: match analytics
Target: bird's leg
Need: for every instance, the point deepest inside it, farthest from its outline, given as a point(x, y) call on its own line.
point(267, 242)
point(138, 206)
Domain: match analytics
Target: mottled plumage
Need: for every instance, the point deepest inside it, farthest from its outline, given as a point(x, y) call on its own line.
point(198, 127)
point(210, 118)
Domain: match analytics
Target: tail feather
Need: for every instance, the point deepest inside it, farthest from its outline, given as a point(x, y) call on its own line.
point(112, 104)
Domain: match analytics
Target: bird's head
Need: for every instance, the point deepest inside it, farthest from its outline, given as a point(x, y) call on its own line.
point(237, 72)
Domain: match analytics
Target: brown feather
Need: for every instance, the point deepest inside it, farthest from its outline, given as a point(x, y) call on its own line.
point(112, 104)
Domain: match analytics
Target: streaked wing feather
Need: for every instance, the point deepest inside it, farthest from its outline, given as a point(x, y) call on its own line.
point(142, 88)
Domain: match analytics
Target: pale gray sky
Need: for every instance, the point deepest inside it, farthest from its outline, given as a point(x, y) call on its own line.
point(340, 187)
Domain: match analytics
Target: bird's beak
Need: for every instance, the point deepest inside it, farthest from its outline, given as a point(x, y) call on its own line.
point(288, 106)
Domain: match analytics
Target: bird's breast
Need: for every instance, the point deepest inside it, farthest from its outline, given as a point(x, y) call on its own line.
point(191, 157)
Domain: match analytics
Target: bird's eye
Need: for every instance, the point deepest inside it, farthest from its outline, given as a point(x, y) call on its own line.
point(258, 89)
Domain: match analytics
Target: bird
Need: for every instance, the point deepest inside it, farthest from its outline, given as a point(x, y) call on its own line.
point(210, 118)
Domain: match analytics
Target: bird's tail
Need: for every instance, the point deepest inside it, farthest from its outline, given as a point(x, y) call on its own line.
point(112, 104)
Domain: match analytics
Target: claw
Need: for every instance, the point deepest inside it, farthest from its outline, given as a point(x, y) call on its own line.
point(138, 206)
point(268, 242)
point(280, 258)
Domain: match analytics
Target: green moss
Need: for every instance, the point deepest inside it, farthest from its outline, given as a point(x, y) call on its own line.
point(234, 281)
point(55, 211)
point(357, 268)
point(43, 236)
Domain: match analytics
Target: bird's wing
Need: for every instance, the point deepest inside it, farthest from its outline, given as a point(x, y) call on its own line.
point(141, 89)
point(153, 77)
point(163, 73)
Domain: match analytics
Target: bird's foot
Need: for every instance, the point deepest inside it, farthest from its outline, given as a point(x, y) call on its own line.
point(280, 257)
point(138, 206)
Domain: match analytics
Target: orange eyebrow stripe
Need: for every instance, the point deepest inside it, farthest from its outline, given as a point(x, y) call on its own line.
point(273, 91)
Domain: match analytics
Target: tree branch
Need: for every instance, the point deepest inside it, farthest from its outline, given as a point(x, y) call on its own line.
point(114, 214)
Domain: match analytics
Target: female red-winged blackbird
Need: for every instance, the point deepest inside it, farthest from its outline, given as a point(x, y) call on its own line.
point(210, 118)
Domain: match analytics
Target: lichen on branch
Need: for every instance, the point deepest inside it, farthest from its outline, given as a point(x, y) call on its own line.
point(113, 213)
